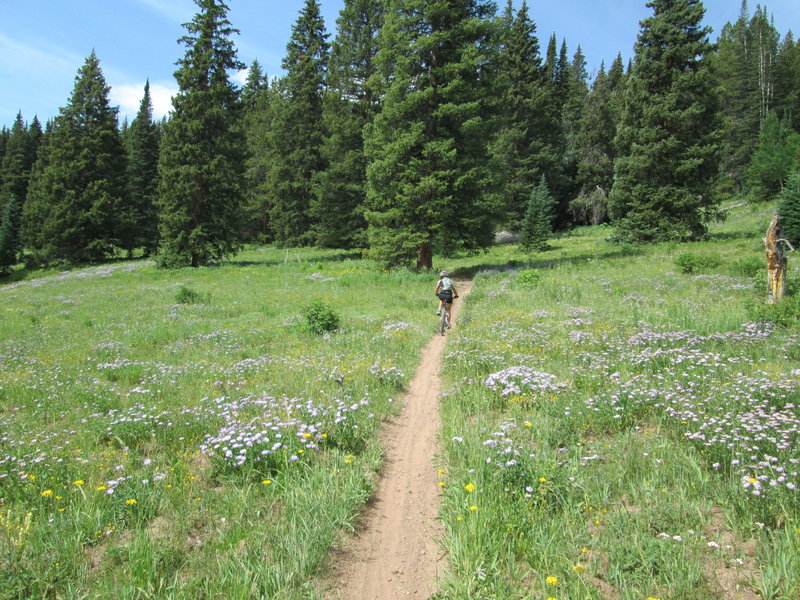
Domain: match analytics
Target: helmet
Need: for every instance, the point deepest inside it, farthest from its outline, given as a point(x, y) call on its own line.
point(443, 273)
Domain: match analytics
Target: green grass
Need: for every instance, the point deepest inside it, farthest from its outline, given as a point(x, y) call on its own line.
point(592, 443)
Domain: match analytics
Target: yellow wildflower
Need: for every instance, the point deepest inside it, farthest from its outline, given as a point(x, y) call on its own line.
point(47, 493)
point(470, 487)
point(552, 580)
point(131, 501)
point(473, 507)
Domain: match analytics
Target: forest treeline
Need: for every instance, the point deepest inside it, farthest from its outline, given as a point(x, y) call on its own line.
point(421, 127)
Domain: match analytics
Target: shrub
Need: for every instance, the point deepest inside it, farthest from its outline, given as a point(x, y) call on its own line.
point(528, 278)
point(688, 262)
point(321, 318)
point(187, 295)
point(751, 266)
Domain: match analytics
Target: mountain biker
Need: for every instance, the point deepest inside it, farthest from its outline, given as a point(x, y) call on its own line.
point(445, 291)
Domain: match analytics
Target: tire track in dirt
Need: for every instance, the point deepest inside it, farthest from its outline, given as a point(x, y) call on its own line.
point(394, 553)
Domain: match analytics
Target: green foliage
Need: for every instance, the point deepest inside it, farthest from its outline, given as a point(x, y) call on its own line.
point(321, 318)
point(430, 177)
point(9, 232)
point(776, 157)
point(201, 165)
point(784, 313)
point(689, 262)
point(527, 279)
point(297, 130)
point(74, 204)
point(789, 210)
point(17, 160)
point(140, 225)
point(751, 266)
point(538, 224)
point(528, 142)
point(667, 141)
point(187, 295)
point(349, 105)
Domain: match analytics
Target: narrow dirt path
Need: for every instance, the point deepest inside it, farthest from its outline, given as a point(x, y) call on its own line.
point(394, 554)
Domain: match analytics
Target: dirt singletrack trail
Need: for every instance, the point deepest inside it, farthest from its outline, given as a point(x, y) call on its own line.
point(394, 553)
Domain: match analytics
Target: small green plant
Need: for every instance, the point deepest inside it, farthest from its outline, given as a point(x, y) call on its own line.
point(750, 266)
point(528, 278)
point(321, 318)
point(187, 295)
point(689, 262)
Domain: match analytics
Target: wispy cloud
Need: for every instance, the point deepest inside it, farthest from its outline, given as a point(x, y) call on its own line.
point(37, 60)
point(176, 10)
point(129, 96)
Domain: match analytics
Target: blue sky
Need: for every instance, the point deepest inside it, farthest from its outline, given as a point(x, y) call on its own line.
point(43, 43)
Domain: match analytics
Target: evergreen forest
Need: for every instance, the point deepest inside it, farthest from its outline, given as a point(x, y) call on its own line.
point(417, 127)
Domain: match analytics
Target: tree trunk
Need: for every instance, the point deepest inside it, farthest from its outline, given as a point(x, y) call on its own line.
point(425, 256)
point(776, 261)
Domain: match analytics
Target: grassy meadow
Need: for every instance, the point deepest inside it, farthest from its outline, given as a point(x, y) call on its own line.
point(618, 422)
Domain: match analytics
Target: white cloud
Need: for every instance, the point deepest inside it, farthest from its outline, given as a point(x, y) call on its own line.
point(129, 96)
point(40, 60)
point(176, 10)
point(240, 77)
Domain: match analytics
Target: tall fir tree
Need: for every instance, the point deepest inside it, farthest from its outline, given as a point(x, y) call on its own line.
point(74, 198)
point(254, 107)
point(298, 130)
point(787, 74)
point(140, 228)
point(15, 166)
point(430, 173)
point(667, 140)
point(349, 105)
point(789, 209)
point(566, 186)
point(254, 86)
point(527, 145)
point(10, 217)
point(776, 156)
point(537, 226)
point(201, 165)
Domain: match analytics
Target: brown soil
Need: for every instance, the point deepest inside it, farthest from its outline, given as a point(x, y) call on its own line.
point(394, 553)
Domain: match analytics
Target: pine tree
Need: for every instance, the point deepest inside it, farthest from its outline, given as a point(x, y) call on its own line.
point(667, 139)
point(262, 145)
point(140, 228)
point(789, 210)
point(787, 74)
point(76, 190)
point(298, 130)
point(576, 90)
point(537, 227)
point(430, 173)
point(776, 156)
point(349, 105)
point(253, 87)
point(527, 146)
point(10, 216)
point(15, 167)
point(201, 166)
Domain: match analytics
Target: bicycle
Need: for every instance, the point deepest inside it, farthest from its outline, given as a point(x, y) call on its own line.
point(444, 322)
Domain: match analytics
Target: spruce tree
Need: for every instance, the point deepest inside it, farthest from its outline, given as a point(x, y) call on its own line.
point(201, 165)
point(776, 156)
point(72, 209)
point(667, 141)
point(253, 87)
point(430, 173)
point(789, 209)
point(140, 228)
point(537, 227)
point(787, 74)
point(10, 217)
point(527, 145)
point(349, 105)
point(15, 167)
point(298, 130)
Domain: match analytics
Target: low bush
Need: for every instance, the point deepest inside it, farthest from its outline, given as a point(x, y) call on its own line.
point(321, 318)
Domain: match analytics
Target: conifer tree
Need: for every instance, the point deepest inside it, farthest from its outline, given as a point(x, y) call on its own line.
point(789, 209)
point(527, 146)
point(72, 209)
point(430, 175)
point(298, 130)
point(776, 156)
point(787, 74)
point(349, 105)
point(667, 139)
point(253, 87)
point(15, 167)
point(10, 214)
point(140, 229)
point(201, 165)
point(537, 227)
point(262, 149)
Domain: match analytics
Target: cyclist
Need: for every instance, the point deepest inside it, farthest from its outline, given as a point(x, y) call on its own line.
point(445, 291)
